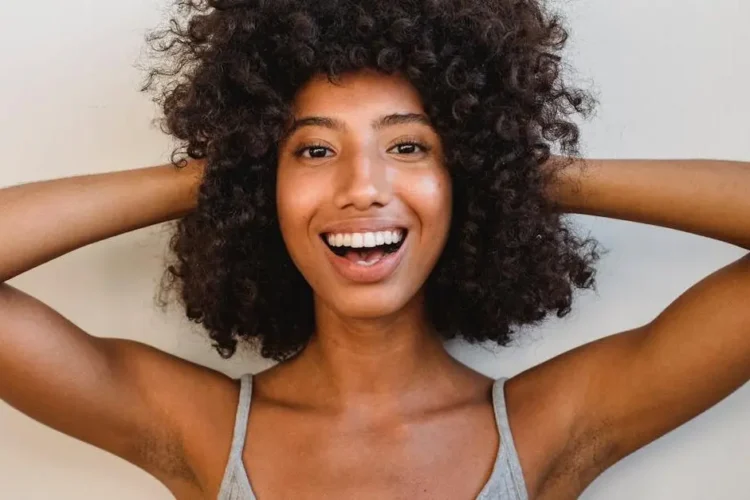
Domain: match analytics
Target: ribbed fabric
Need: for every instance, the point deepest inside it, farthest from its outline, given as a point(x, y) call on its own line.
point(505, 482)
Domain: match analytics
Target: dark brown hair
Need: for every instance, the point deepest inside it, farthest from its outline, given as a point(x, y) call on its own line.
point(489, 73)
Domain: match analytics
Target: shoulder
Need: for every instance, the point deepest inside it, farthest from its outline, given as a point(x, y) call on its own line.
point(193, 410)
point(208, 421)
point(555, 452)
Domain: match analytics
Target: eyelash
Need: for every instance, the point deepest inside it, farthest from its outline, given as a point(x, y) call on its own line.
point(409, 142)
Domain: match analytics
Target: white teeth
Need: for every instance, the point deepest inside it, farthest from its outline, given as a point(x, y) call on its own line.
point(365, 240)
point(369, 240)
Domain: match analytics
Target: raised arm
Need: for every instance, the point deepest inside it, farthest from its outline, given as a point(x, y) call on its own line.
point(43, 220)
point(623, 391)
point(107, 392)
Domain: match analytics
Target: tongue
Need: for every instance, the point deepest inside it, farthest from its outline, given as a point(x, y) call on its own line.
point(369, 256)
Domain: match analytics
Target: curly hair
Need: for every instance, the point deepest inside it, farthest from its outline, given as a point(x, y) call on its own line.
point(489, 73)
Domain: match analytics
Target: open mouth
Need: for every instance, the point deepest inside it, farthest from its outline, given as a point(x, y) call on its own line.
point(365, 249)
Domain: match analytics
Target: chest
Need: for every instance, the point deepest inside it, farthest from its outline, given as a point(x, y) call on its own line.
point(445, 456)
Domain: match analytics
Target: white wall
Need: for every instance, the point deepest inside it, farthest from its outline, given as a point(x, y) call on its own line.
point(672, 78)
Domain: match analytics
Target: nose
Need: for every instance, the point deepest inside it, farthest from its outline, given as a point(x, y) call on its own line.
point(363, 182)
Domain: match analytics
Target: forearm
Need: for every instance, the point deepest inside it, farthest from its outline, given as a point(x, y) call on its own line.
point(42, 220)
point(706, 197)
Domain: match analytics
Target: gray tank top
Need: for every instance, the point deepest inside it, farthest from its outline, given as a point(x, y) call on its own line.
point(505, 482)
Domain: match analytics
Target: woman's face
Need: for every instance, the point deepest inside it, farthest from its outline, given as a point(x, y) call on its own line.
point(364, 199)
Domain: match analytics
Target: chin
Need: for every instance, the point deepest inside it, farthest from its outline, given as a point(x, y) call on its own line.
point(369, 304)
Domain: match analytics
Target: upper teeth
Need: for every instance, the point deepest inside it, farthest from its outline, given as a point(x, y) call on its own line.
point(367, 240)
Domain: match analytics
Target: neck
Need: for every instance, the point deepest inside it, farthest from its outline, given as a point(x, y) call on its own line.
point(350, 361)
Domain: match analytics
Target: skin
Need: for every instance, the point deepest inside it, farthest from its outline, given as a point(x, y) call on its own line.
point(375, 372)
point(375, 395)
point(371, 170)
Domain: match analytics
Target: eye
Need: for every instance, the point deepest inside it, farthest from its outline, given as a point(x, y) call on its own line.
point(312, 151)
point(410, 147)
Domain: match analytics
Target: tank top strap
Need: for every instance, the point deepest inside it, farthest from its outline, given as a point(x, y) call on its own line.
point(507, 444)
point(235, 484)
point(240, 422)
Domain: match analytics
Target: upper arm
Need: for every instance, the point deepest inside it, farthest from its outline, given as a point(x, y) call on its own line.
point(118, 395)
point(693, 355)
point(617, 394)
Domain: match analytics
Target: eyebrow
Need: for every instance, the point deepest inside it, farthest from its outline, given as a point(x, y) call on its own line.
point(377, 124)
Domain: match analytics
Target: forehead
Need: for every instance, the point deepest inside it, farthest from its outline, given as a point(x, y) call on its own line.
point(363, 93)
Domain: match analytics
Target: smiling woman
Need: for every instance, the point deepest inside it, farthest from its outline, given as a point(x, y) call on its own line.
point(430, 117)
point(378, 170)
point(364, 181)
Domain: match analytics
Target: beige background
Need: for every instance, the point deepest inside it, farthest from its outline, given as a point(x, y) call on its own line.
point(672, 78)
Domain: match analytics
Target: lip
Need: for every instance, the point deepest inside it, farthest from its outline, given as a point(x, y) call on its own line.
point(361, 274)
point(364, 226)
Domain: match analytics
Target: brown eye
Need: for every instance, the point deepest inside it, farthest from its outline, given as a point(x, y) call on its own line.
point(406, 148)
point(409, 148)
point(317, 152)
point(313, 151)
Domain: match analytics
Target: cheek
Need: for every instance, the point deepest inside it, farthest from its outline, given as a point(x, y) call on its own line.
point(432, 200)
point(296, 200)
